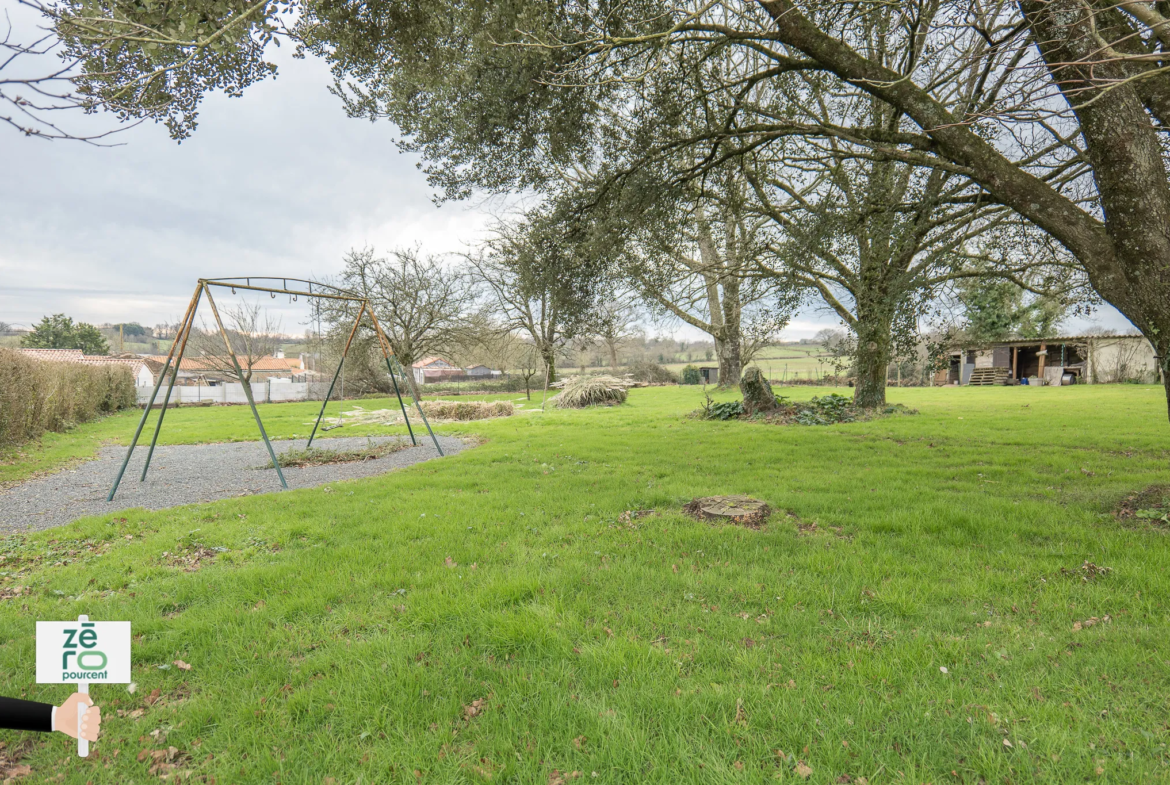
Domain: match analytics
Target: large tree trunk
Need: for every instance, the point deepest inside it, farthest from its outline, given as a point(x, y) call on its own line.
point(729, 351)
point(612, 346)
point(871, 359)
point(550, 364)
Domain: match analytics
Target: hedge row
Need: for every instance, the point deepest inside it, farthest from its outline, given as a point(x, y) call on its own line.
point(38, 396)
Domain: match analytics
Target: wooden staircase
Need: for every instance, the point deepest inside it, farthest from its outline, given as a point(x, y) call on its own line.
point(990, 377)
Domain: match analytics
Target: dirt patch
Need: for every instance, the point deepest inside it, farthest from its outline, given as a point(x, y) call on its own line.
point(820, 410)
point(314, 456)
point(1150, 506)
point(11, 757)
point(736, 509)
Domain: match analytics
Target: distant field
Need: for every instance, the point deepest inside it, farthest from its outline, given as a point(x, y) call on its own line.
point(780, 362)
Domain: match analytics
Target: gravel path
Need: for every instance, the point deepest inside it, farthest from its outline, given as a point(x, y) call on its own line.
point(186, 474)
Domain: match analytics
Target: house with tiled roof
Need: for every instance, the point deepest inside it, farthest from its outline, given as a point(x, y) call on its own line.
point(434, 369)
point(214, 370)
point(144, 375)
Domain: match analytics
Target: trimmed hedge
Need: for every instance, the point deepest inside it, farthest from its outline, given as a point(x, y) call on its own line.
point(38, 396)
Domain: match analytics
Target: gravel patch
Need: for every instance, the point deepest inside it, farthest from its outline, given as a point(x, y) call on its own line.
point(188, 474)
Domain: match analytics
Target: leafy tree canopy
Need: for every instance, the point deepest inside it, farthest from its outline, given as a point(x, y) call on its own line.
point(997, 310)
point(59, 332)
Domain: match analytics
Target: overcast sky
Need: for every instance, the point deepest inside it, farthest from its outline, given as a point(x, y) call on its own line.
point(278, 182)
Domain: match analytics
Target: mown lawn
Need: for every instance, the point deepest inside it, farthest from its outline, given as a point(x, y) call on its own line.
point(493, 616)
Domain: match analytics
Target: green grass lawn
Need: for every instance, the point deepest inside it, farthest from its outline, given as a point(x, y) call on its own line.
point(493, 616)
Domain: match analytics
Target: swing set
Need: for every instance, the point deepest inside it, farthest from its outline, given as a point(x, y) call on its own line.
point(325, 291)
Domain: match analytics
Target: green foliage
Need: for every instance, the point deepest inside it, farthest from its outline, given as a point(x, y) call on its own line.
point(132, 329)
point(38, 396)
point(826, 410)
point(59, 332)
point(722, 410)
point(691, 375)
point(996, 310)
point(178, 52)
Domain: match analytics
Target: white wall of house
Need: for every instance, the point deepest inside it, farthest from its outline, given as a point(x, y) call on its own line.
point(276, 391)
point(1120, 358)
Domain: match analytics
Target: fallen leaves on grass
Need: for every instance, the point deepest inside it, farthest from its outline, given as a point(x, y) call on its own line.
point(449, 562)
point(579, 742)
point(557, 778)
point(474, 709)
point(802, 770)
point(191, 559)
point(164, 762)
point(182, 665)
point(10, 766)
point(1087, 572)
point(1090, 622)
point(1150, 505)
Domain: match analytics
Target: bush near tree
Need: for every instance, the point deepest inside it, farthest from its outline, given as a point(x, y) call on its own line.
point(60, 332)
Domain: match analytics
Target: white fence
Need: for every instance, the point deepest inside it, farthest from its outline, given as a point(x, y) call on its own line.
point(264, 392)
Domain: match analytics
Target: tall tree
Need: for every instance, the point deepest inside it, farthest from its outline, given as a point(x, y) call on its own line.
point(252, 332)
point(60, 332)
point(996, 310)
point(612, 323)
point(704, 272)
point(423, 304)
point(537, 283)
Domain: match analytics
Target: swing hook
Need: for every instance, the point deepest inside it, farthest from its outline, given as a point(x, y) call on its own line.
point(233, 290)
point(272, 295)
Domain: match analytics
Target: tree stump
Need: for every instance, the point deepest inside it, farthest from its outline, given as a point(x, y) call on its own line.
point(737, 509)
point(757, 393)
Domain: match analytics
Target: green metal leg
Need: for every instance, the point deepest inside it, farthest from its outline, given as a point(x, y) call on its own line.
point(263, 433)
point(325, 402)
point(138, 431)
point(171, 386)
point(394, 381)
point(423, 414)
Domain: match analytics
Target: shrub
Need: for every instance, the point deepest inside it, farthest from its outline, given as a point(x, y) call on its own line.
point(652, 373)
point(467, 410)
point(826, 410)
point(581, 391)
point(691, 375)
point(724, 410)
point(38, 396)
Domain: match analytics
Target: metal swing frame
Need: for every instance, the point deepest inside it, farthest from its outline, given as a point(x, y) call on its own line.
point(179, 343)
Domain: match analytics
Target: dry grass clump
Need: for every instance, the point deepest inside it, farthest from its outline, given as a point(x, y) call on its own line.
point(467, 410)
point(317, 456)
point(38, 396)
point(578, 392)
